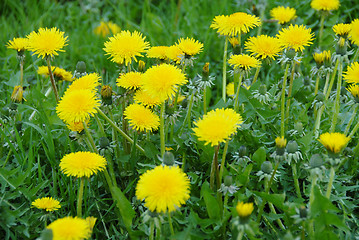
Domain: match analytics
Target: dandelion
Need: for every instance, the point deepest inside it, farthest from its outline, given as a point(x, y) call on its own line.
point(146, 99)
point(280, 142)
point(17, 94)
point(160, 52)
point(107, 28)
point(174, 53)
point(283, 14)
point(70, 228)
point(296, 37)
point(87, 82)
point(207, 128)
point(235, 24)
point(325, 5)
point(352, 73)
point(342, 29)
point(163, 188)
point(354, 32)
point(77, 126)
point(82, 164)
point(230, 89)
point(77, 105)
point(334, 142)
point(47, 42)
point(60, 74)
point(189, 46)
point(354, 90)
point(19, 44)
point(141, 118)
point(322, 57)
point(47, 203)
point(243, 62)
point(130, 80)
point(264, 46)
point(125, 47)
point(244, 210)
point(163, 80)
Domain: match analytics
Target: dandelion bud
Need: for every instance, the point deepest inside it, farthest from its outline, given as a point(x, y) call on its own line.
point(16, 95)
point(290, 53)
point(235, 45)
point(141, 66)
point(242, 151)
point(298, 126)
point(303, 212)
point(244, 211)
point(315, 161)
point(267, 167)
point(341, 48)
point(262, 89)
point(81, 67)
point(228, 181)
point(106, 94)
point(292, 147)
point(205, 71)
point(104, 142)
point(168, 159)
point(280, 143)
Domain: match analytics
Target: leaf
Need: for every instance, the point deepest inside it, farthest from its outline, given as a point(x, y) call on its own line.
point(276, 199)
point(259, 156)
point(210, 201)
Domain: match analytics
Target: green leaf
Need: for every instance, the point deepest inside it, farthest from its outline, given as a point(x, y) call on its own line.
point(276, 199)
point(259, 156)
point(210, 201)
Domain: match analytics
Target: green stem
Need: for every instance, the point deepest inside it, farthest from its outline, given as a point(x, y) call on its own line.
point(240, 234)
point(170, 223)
point(90, 139)
point(53, 83)
point(100, 126)
point(356, 55)
point(162, 128)
point(111, 168)
point(290, 91)
point(256, 74)
point(311, 200)
point(295, 178)
point(223, 161)
point(336, 106)
point(282, 106)
point(351, 119)
point(214, 168)
point(224, 70)
point(21, 72)
point(327, 93)
point(152, 230)
point(316, 85)
point(330, 183)
point(321, 29)
point(326, 83)
point(114, 135)
point(205, 100)
point(188, 115)
point(236, 102)
point(80, 196)
point(119, 130)
point(7, 158)
point(275, 212)
point(355, 129)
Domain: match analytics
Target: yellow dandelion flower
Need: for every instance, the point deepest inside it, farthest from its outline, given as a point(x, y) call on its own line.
point(163, 80)
point(146, 99)
point(352, 73)
point(322, 57)
point(334, 142)
point(235, 24)
point(160, 52)
point(296, 37)
point(264, 46)
point(17, 94)
point(107, 28)
point(163, 188)
point(70, 228)
point(244, 210)
point(88, 82)
point(174, 53)
point(280, 142)
point(82, 164)
point(342, 29)
point(207, 128)
point(19, 44)
point(190, 46)
point(47, 203)
point(91, 222)
point(77, 105)
point(141, 118)
point(354, 32)
point(233, 41)
point(354, 90)
point(326, 5)
point(47, 42)
point(77, 126)
point(283, 14)
point(230, 89)
point(243, 62)
point(125, 47)
point(130, 80)
point(60, 74)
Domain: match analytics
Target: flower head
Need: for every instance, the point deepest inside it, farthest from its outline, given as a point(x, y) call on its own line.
point(230, 89)
point(235, 24)
point(82, 164)
point(77, 105)
point(125, 47)
point(87, 82)
point(159, 52)
point(60, 74)
point(325, 5)
point(77, 126)
point(141, 118)
point(342, 29)
point(47, 203)
point(189, 46)
point(69, 228)
point(352, 73)
point(264, 46)
point(17, 94)
point(130, 80)
point(174, 53)
point(354, 32)
point(283, 14)
point(107, 28)
point(207, 128)
point(19, 44)
point(162, 80)
point(322, 57)
point(334, 142)
point(280, 142)
point(296, 37)
point(163, 188)
point(243, 62)
point(47, 42)
point(146, 99)
point(244, 210)
point(354, 90)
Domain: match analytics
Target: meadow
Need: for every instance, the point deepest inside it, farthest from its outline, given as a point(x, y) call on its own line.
point(179, 119)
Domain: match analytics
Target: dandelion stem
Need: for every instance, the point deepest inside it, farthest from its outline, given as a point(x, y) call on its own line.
point(256, 75)
point(290, 91)
point(330, 183)
point(223, 161)
point(114, 134)
point(351, 119)
point(224, 72)
point(311, 200)
point(152, 230)
point(240, 234)
point(100, 127)
point(188, 115)
point(355, 129)
point(205, 100)
point(316, 85)
point(79, 197)
point(214, 169)
point(295, 178)
point(119, 130)
point(21, 71)
point(356, 55)
point(170, 223)
point(322, 18)
point(327, 93)
point(90, 139)
point(236, 103)
point(282, 106)
point(162, 128)
point(336, 106)
point(53, 83)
